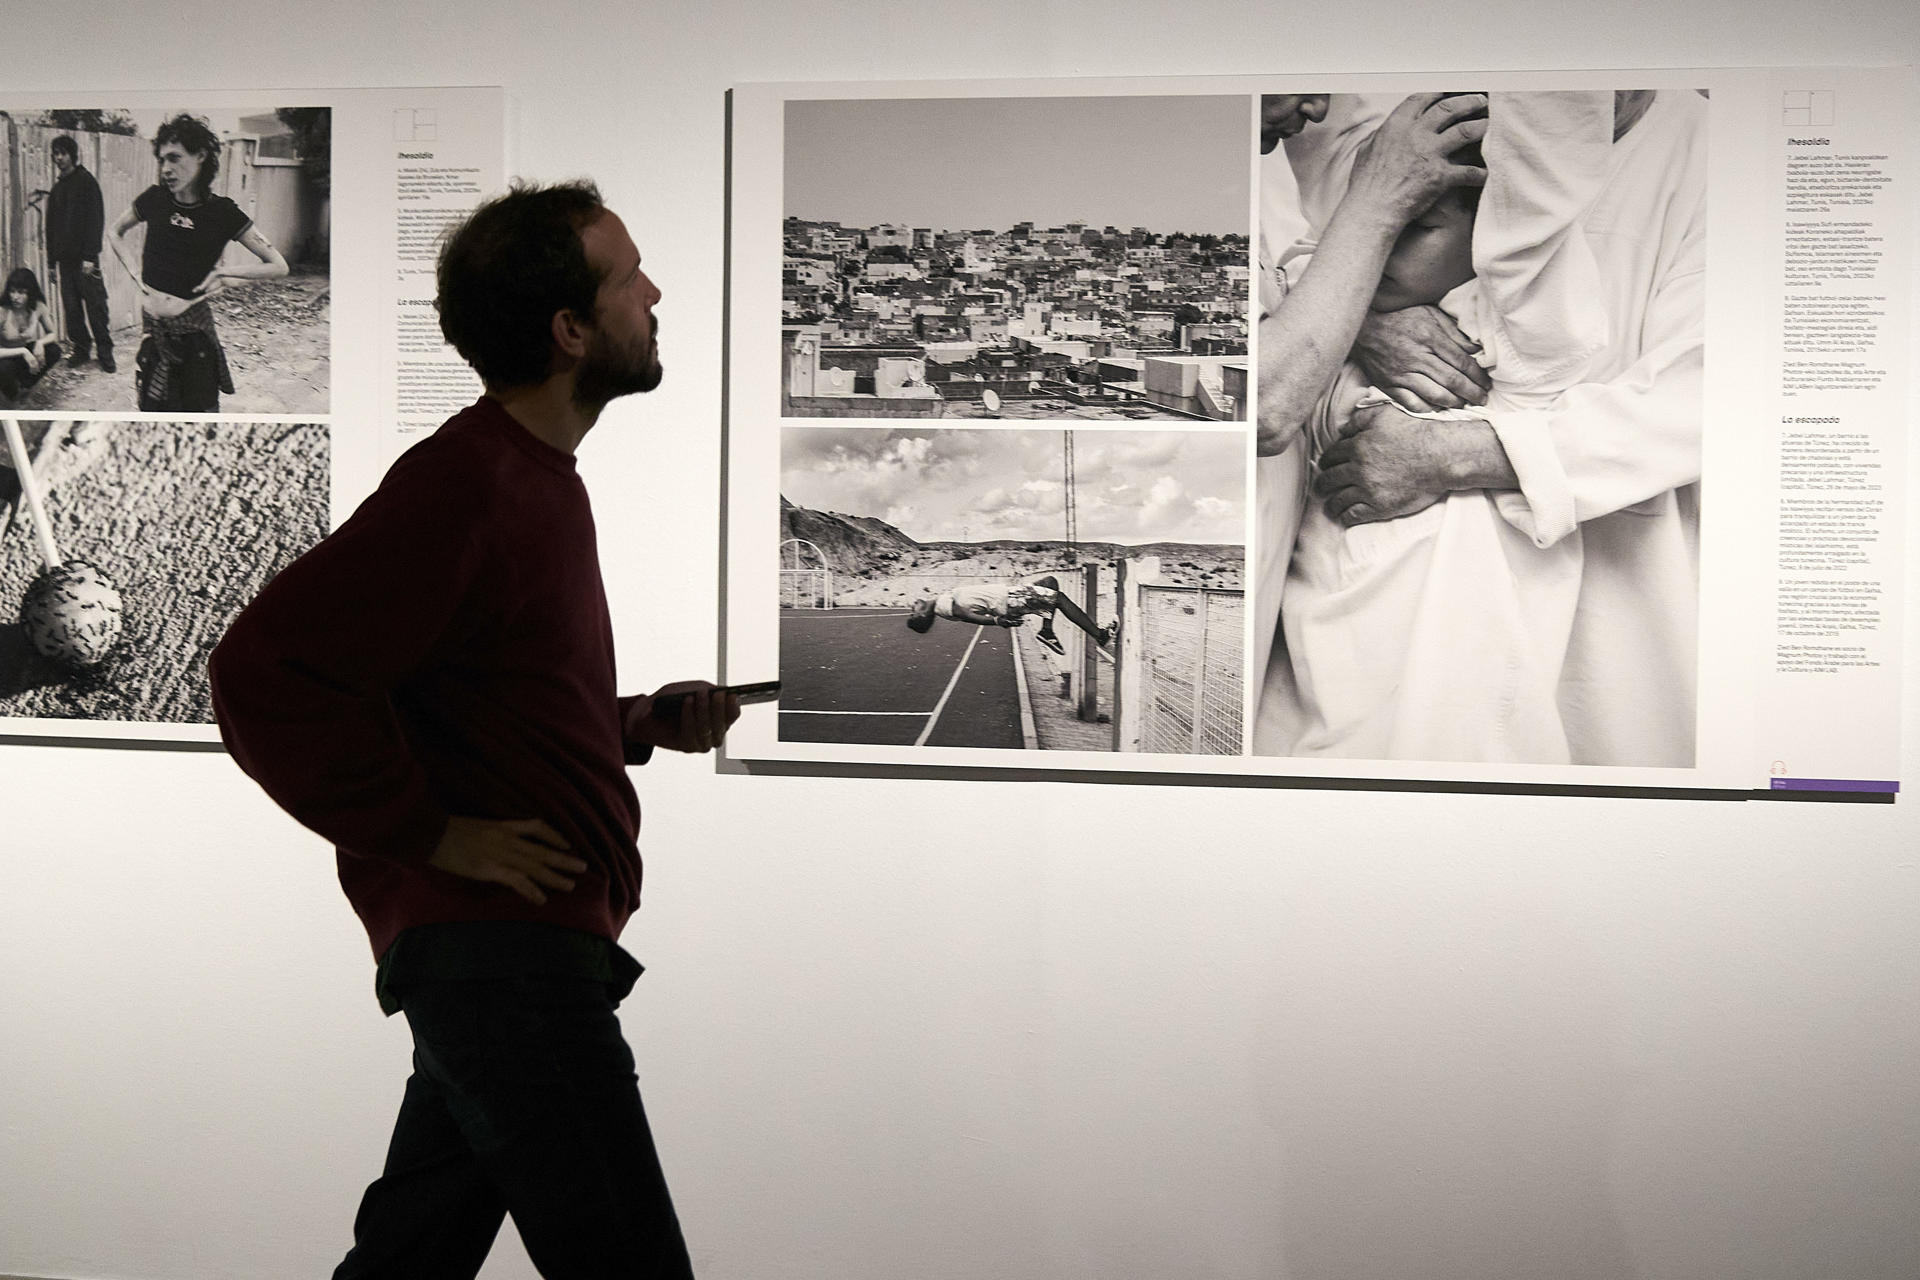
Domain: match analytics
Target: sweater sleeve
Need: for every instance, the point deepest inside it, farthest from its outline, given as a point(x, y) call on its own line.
point(304, 679)
point(58, 241)
point(93, 220)
point(636, 752)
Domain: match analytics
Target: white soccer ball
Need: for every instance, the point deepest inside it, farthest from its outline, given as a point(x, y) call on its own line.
point(72, 614)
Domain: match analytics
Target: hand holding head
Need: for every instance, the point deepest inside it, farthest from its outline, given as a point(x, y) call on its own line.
point(1409, 161)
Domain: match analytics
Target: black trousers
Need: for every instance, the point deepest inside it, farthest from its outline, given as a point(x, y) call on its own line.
point(16, 375)
point(83, 296)
point(523, 1100)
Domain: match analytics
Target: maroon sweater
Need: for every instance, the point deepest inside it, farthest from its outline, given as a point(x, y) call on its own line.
point(446, 651)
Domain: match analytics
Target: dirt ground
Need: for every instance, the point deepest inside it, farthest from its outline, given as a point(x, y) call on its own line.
point(277, 336)
point(1056, 705)
point(899, 585)
point(189, 519)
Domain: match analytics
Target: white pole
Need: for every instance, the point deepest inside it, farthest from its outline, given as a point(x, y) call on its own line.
point(31, 487)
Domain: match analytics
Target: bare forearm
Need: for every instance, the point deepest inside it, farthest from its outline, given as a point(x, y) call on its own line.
point(116, 241)
point(1475, 458)
point(255, 270)
point(1397, 172)
point(1304, 342)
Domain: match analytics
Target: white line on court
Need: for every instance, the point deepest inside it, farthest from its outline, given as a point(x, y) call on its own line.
point(933, 717)
point(785, 712)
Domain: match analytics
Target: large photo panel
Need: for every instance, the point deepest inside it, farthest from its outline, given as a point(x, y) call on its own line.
point(216, 332)
point(1573, 404)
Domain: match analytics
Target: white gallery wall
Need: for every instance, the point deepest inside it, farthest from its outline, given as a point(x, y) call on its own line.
point(896, 1029)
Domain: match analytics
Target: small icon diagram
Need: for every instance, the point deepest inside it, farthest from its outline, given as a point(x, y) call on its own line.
point(416, 124)
point(1800, 108)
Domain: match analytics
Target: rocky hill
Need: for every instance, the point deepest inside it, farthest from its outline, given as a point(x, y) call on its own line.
point(850, 543)
point(874, 563)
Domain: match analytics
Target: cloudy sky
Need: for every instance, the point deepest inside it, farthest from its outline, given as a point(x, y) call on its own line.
point(975, 485)
point(1163, 163)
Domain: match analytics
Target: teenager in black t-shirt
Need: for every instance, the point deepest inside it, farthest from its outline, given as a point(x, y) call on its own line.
point(181, 364)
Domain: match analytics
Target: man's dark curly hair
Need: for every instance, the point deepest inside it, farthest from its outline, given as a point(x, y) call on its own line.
point(64, 146)
point(505, 272)
point(196, 138)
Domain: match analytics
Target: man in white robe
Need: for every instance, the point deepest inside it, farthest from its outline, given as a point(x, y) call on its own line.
point(1615, 457)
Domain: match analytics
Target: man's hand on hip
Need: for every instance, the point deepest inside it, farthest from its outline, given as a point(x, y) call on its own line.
point(524, 854)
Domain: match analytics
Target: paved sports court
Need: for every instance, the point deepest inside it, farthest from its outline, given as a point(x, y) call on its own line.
point(859, 675)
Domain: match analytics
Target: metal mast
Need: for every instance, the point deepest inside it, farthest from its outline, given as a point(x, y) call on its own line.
point(1073, 523)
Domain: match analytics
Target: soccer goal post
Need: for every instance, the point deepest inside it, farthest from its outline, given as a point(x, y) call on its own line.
point(806, 579)
point(806, 588)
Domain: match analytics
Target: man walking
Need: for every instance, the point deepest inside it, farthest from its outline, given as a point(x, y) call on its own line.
point(432, 689)
point(76, 216)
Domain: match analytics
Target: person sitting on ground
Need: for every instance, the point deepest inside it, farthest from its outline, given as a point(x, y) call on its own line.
point(1005, 604)
point(27, 346)
point(182, 366)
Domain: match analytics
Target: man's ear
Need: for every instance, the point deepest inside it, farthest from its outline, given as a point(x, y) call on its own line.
point(570, 334)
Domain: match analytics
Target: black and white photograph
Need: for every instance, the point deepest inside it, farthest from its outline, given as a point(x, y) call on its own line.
point(1027, 258)
point(166, 260)
point(1479, 426)
point(1008, 588)
point(127, 547)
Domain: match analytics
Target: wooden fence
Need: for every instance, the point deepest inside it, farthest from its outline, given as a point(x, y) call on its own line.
point(123, 166)
point(276, 194)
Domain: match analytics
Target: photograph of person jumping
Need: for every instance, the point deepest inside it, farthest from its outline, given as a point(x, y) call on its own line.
point(1085, 565)
point(1003, 604)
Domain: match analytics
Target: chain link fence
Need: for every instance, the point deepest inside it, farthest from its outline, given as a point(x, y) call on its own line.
point(1190, 648)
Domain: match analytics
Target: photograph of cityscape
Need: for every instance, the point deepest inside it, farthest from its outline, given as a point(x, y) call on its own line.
point(1031, 258)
